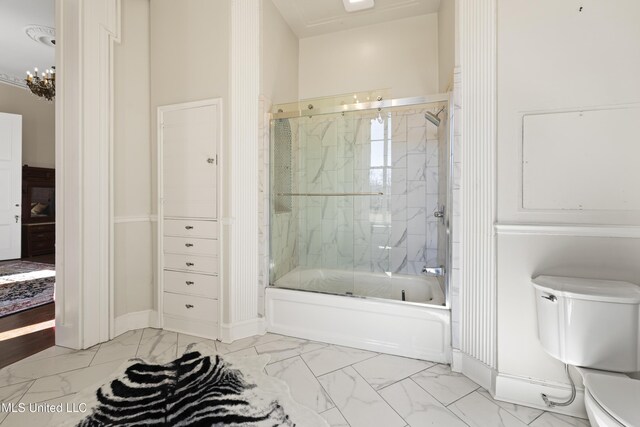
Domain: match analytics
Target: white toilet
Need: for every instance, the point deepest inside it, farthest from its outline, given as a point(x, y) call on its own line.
point(595, 326)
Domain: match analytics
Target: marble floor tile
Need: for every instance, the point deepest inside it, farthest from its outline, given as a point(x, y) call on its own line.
point(287, 347)
point(49, 352)
point(247, 352)
point(549, 419)
point(385, 369)
point(418, 407)
point(71, 382)
point(12, 394)
point(246, 343)
point(477, 411)
point(303, 385)
point(444, 385)
point(35, 418)
point(334, 418)
point(122, 347)
point(334, 357)
point(42, 367)
point(158, 346)
point(185, 340)
point(523, 413)
point(358, 402)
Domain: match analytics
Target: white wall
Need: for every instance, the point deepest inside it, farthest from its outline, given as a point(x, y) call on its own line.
point(279, 57)
point(38, 124)
point(446, 44)
point(189, 61)
point(132, 162)
point(400, 55)
point(550, 57)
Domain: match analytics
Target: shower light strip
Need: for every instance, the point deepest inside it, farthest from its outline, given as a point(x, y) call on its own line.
point(329, 194)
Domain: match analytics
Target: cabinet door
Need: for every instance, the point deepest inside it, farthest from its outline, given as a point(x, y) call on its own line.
point(189, 140)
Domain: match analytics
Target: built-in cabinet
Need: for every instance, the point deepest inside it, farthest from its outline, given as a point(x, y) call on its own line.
point(189, 245)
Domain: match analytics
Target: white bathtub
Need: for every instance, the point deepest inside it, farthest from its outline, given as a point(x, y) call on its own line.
point(419, 328)
point(418, 289)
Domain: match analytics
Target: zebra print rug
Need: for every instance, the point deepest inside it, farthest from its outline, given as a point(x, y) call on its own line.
point(201, 388)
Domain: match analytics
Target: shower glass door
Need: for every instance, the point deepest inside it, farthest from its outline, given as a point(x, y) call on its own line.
point(353, 197)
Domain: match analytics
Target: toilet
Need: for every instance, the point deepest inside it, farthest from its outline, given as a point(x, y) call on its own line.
point(594, 325)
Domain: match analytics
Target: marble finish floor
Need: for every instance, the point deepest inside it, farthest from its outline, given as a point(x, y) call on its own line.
point(348, 387)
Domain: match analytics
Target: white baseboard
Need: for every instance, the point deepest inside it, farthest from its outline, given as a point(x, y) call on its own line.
point(474, 369)
point(137, 320)
point(230, 332)
point(527, 392)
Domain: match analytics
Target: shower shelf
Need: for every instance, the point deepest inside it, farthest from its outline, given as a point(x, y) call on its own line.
point(329, 194)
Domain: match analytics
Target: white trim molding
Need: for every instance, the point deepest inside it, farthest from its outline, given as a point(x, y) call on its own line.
point(134, 218)
point(242, 283)
point(474, 369)
point(478, 293)
point(84, 144)
point(238, 330)
point(527, 391)
point(137, 320)
point(616, 231)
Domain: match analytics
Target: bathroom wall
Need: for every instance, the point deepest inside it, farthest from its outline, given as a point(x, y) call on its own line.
point(446, 44)
point(189, 61)
point(132, 163)
point(552, 56)
point(279, 84)
point(38, 124)
point(400, 55)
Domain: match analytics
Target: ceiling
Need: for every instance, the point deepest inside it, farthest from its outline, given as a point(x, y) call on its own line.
point(26, 30)
point(309, 18)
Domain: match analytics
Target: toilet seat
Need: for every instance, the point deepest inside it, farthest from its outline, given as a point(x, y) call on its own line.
point(618, 395)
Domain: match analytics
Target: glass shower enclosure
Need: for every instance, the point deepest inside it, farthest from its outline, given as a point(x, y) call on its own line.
point(359, 197)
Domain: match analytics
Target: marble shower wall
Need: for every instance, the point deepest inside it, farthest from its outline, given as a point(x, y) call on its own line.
point(393, 153)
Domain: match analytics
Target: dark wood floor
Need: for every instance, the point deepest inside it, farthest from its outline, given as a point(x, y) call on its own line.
point(14, 348)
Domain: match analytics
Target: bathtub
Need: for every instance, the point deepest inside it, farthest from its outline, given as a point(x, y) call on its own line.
point(362, 310)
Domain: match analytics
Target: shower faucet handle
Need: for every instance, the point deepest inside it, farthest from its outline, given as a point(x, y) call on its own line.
point(433, 271)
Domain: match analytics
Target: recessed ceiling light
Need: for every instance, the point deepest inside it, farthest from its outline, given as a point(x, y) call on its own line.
point(356, 5)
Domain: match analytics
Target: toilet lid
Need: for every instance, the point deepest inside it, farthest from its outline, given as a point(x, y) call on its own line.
point(618, 395)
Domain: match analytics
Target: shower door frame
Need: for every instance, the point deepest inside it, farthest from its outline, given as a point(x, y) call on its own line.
point(375, 105)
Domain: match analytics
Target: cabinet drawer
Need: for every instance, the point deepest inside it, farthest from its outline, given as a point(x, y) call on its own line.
point(199, 263)
point(190, 245)
point(191, 284)
point(187, 228)
point(191, 307)
point(42, 228)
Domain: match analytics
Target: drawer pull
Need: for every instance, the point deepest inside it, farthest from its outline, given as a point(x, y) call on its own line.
point(188, 227)
point(189, 245)
point(189, 305)
point(190, 264)
point(189, 283)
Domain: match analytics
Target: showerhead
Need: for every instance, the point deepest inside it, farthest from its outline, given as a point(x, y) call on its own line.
point(433, 118)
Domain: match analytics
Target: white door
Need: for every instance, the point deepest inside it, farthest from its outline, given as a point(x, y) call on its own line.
point(10, 184)
point(189, 138)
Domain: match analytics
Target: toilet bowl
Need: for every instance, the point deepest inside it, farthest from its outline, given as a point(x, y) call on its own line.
point(594, 326)
point(611, 399)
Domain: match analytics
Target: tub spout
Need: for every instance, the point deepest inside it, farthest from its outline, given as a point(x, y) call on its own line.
point(433, 271)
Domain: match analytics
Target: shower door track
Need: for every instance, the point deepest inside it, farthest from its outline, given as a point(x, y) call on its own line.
point(329, 194)
point(361, 106)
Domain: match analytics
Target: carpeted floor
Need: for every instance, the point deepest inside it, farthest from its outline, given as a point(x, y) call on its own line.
point(24, 285)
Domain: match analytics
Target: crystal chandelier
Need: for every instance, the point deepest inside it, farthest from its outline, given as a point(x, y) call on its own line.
point(43, 85)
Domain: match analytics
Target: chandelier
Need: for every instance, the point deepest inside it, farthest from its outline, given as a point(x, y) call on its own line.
point(43, 85)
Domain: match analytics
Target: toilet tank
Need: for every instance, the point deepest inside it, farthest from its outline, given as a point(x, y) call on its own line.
point(590, 323)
